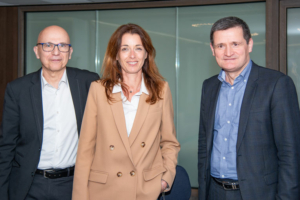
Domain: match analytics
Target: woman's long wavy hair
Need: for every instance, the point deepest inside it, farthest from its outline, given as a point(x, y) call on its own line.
point(112, 72)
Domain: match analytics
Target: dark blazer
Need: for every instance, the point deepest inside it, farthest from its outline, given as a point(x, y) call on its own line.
point(21, 131)
point(268, 150)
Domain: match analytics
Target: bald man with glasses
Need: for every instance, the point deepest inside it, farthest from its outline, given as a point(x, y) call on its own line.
point(41, 123)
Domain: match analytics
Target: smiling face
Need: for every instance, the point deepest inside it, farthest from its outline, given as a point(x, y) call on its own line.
point(55, 60)
point(132, 54)
point(231, 49)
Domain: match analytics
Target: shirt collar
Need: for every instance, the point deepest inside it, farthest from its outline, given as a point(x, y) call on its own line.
point(245, 73)
point(63, 79)
point(117, 88)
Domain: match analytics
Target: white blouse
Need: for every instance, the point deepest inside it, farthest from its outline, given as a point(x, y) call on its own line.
point(130, 108)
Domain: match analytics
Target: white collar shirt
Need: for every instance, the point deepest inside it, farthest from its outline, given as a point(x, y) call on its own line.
point(60, 134)
point(130, 108)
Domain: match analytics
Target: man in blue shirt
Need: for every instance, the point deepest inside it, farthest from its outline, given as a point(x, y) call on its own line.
point(249, 124)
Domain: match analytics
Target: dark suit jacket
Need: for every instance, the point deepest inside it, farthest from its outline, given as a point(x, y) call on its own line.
point(21, 131)
point(268, 153)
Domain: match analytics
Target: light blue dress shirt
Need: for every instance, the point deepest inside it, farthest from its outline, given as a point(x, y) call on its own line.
point(227, 117)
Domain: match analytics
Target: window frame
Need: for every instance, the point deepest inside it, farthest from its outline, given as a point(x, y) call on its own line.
point(272, 21)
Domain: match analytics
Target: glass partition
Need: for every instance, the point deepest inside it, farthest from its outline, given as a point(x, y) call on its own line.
point(293, 46)
point(198, 64)
point(81, 28)
point(183, 56)
point(160, 25)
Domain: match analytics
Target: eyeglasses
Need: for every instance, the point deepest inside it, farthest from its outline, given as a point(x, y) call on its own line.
point(48, 47)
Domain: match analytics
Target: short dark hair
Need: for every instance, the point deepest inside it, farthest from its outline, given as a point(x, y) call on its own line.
point(230, 22)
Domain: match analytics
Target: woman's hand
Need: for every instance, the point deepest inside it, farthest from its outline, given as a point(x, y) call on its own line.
point(164, 185)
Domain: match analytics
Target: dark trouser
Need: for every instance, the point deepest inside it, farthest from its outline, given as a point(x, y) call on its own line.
point(217, 192)
point(50, 189)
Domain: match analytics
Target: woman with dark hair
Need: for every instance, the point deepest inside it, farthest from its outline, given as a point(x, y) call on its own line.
point(127, 147)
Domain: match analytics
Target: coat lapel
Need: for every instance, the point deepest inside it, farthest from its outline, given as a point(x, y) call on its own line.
point(118, 113)
point(211, 113)
point(37, 104)
point(139, 118)
point(76, 97)
point(246, 104)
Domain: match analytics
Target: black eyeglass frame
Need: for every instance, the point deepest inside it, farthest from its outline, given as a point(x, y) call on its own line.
point(58, 45)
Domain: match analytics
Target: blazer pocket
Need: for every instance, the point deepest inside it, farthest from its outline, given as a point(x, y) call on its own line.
point(271, 178)
point(152, 173)
point(97, 176)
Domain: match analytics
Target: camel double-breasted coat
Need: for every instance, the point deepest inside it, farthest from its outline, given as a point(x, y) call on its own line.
point(112, 166)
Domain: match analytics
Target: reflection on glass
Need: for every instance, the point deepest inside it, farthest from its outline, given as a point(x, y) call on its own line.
point(293, 46)
point(81, 28)
point(198, 64)
point(183, 56)
point(159, 24)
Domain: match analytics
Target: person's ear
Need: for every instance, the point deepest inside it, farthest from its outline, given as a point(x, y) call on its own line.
point(36, 52)
point(250, 45)
point(212, 49)
point(70, 53)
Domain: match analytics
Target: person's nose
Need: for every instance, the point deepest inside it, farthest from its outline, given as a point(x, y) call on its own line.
point(132, 54)
point(228, 51)
point(55, 50)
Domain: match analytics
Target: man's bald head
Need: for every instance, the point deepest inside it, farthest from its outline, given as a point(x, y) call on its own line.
point(55, 60)
point(52, 32)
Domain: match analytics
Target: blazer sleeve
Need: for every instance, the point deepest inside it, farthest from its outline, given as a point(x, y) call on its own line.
point(169, 144)
point(286, 128)
point(86, 147)
point(9, 133)
point(202, 149)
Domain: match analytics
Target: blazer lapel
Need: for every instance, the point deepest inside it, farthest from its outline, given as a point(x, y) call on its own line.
point(215, 89)
point(76, 97)
point(37, 104)
point(118, 113)
point(246, 104)
point(139, 118)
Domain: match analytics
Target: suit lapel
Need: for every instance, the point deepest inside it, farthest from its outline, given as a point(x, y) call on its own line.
point(211, 113)
point(246, 104)
point(37, 104)
point(118, 113)
point(76, 97)
point(139, 118)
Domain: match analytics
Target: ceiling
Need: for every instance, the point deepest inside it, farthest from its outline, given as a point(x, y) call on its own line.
point(47, 2)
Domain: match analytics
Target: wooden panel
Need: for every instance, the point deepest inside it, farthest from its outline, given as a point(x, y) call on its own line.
point(272, 34)
point(283, 29)
point(8, 49)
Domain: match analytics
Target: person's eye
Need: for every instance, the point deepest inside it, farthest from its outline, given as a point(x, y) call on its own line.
point(124, 49)
point(62, 45)
point(220, 46)
point(139, 49)
point(235, 44)
point(48, 44)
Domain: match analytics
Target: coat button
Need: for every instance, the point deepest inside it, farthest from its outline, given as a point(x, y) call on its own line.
point(143, 144)
point(132, 173)
point(112, 147)
point(119, 174)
